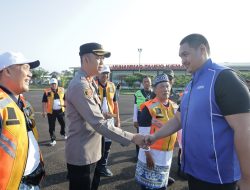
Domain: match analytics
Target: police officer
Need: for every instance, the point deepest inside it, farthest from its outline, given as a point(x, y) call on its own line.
point(86, 123)
point(53, 107)
point(21, 166)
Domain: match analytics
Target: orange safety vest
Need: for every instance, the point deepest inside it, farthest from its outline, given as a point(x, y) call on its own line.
point(14, 143)
point(162, 113)
point(110, 94)
point(50, 96)
point(31, 114)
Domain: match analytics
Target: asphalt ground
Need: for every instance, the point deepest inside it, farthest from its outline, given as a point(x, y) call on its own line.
point(122, 160)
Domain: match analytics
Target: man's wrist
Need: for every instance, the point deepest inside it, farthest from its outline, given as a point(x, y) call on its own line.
point(147, 149)
point(133, 138)
point(154, 137)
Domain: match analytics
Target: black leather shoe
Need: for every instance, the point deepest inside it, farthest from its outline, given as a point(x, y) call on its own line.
point(181, 174)
point(170, 181)
point(105, 172)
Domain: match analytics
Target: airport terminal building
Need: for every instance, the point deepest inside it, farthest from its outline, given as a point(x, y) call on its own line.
point(119, 72)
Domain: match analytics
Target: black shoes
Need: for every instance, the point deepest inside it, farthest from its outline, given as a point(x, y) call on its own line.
point(182, 175)
point(170, 181)
point(105, 172)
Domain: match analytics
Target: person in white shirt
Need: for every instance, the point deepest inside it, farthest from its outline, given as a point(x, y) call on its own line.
point(53, 108)
point(110, 109)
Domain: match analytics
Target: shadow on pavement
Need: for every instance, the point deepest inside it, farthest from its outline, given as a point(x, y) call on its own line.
point(54, 179)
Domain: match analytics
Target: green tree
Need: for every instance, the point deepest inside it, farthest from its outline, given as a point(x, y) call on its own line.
point(38, 74)
point(181, 81)
point(66, 76)
point(131, 80)
point(245, 75)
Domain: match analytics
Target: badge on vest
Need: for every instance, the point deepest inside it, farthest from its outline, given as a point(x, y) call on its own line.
point(88, 93)
point(159, 113)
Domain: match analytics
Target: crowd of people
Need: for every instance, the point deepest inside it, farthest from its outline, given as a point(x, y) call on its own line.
point(211, 124)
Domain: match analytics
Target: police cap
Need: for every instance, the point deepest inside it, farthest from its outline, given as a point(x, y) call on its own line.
point(94, 48)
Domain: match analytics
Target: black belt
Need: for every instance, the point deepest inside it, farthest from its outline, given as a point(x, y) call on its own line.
point(35, 177)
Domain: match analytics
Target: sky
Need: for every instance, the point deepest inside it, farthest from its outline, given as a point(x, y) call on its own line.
point(53, 30)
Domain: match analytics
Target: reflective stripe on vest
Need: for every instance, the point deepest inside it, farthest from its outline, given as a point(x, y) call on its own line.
point(8, 141)
point(13, 143)
point(161, 113)
point(4, 102)
point(7, 149)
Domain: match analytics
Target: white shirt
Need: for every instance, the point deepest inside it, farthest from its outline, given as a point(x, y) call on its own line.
point(105, 108)
point(57, 104)
point(33, 155)
point(161, 158)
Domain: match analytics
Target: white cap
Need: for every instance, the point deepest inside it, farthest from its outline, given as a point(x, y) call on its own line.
point(53, 81)
point(105, 69)
point(15, 58)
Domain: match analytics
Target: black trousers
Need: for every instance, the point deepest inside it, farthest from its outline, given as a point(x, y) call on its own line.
point(136, 146)
point(104, 159)
point(196, 184)
point(83, 177)
point(59, 115)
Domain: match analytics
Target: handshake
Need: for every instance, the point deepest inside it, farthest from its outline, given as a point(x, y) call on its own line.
point(144, 141)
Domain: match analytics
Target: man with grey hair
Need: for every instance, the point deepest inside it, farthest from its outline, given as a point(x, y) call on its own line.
point(156, 161)
point(86, 123)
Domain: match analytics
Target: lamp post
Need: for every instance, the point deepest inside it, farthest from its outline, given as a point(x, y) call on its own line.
point(139, 50)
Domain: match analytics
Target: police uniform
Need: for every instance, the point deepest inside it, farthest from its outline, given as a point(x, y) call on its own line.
point(86, 125)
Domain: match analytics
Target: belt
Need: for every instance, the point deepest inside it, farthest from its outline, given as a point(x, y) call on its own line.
point(35, 177)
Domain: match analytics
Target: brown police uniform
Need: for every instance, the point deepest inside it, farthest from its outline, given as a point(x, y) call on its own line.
point(86, 124)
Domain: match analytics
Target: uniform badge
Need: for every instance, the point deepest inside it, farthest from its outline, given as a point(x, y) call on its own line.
point(88, 93)
point(159, 113)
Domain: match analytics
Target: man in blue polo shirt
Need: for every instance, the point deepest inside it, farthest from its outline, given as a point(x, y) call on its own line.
point(215, 118)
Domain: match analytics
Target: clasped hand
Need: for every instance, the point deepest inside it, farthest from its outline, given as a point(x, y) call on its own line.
point(143, 141)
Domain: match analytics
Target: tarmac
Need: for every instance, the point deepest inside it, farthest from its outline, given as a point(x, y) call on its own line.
point(122, 160)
